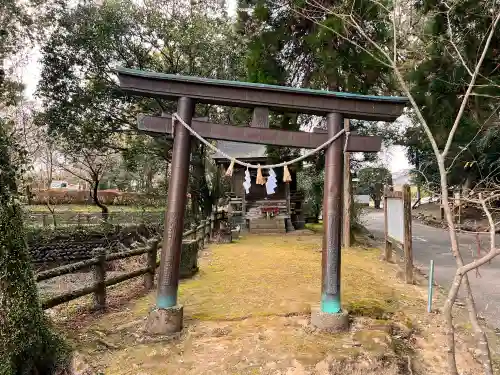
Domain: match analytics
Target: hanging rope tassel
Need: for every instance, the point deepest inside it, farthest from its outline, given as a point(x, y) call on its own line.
point(229, 171)
point(287, 177)
point(260, 179)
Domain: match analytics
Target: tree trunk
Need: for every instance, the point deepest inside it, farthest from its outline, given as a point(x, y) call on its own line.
point(149, 180)
point(207, 198)
point(480, 336)
point(50, 168)
point(196, 180)
point(27, 343)
point(98, 203)
point(376, 203)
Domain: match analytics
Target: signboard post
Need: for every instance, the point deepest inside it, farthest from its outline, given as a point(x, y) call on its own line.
point(397, 225)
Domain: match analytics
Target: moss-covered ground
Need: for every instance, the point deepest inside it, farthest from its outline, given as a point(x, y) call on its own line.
point(247, 312)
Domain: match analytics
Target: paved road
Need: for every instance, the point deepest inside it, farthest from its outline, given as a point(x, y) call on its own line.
point(434, 243)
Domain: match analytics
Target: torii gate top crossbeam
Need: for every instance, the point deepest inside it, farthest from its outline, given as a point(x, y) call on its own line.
point(276, 98)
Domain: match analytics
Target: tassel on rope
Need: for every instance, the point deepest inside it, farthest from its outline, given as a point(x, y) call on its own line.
point(229, 171)
point(260, 179)
point(287, 177)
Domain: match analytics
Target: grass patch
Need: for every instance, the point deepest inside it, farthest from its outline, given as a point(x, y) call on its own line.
point(315, 227)
point(263, 275)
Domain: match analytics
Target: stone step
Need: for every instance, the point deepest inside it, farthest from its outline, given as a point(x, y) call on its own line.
point(267, 223)
point(264, 220)
point(266, 226)
point(267, 231)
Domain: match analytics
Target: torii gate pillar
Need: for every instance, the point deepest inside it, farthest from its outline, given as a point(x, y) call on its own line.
point(330, 316)
point(167, 317)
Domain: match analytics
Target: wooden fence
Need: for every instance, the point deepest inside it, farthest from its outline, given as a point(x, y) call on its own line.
point(99, 266)
point(397, 226)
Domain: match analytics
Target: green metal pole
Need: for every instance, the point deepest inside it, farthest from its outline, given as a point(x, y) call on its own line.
point(431, 286)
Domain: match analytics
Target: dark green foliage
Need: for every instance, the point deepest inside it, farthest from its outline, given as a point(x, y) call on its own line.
point(189, 258)
point(83, 103)
point(311, 182)
point(439, 83)
point(27, 343)
point(286, 48)
point(372, 181)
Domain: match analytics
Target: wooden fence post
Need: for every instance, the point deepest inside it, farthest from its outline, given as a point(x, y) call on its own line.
point(212, 226)
point(100, 279)
point(195, 230)
point(204, 224)
point(408, 248)
point(388, 243)
point(149, 278)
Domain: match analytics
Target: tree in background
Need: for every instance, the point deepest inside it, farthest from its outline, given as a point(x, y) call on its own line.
point(287, 48)
point(372, 181)
point(89, 164)
point(454, 35)
point(78, 85)
point(311, 183)
point(143, 162)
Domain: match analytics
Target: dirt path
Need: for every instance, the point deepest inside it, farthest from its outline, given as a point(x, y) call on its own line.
point(247, 312)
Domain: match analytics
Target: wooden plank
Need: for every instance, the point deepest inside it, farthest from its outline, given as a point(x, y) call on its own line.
point(127, 276)
point(408, 247)
point(394, 194)
point(156, 125)
point(64, 270)
point(346, 230)
point(388, 242)
point(260, 117)
point(276, 98)
point(126, 254)
point(66, 297)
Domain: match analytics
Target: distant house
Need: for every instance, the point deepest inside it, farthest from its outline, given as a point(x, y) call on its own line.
point(61, 184)
point(58, 184)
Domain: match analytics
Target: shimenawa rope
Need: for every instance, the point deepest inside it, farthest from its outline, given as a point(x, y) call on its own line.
point(176, 117)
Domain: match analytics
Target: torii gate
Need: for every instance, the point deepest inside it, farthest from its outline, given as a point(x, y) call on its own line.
point(167, 317)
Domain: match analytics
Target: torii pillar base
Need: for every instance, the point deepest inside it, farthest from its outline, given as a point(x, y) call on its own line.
point(329, 322)
point(165, 321)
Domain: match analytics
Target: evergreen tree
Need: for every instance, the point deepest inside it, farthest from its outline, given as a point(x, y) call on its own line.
point(287, 48)
point(455, 31)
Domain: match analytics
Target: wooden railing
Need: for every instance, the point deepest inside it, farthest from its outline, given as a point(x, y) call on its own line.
point(99, 266)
